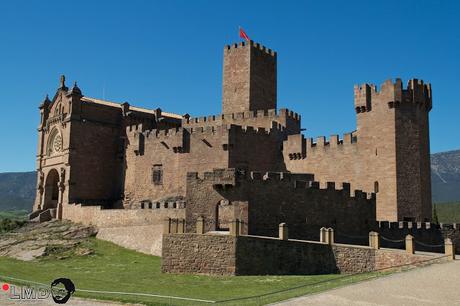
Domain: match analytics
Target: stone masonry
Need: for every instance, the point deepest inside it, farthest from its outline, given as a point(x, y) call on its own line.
point(255, 255)
point(117, 157)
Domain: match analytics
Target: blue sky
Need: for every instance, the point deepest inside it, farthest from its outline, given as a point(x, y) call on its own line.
point(168, 54)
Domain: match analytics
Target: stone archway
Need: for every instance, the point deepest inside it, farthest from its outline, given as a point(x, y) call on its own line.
point(51, 192)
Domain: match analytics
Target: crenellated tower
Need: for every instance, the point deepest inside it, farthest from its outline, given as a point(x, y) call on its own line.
point(249, 78)
point(393, 132)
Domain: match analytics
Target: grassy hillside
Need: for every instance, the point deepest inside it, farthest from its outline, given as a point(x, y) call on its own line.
point(113, 268)
point(14, 215)
point(448, 212)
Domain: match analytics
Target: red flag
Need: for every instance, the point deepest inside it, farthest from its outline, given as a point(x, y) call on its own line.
point(243, 35)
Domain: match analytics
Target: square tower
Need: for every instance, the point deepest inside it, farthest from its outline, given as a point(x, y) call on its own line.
point(249, 78)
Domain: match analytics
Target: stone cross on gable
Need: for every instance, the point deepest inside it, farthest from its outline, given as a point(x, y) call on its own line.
point(62, 81)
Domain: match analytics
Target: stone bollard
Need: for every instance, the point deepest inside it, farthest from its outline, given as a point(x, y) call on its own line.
point(374, 240)
point(283, 231)
point(235, 228)
point(181, 226)
point(323, 235)
point(200, 225)
point(167, 226)
point(410, 249)
point(449, 249)
point(330, 236)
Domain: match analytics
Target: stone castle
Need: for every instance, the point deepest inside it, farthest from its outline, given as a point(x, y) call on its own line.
point(119, 166)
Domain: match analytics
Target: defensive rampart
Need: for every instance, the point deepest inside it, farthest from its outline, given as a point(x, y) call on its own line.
point(138, 229)
point(262, 200)
point(261, 118)
point(387, 154)
point(255, 255)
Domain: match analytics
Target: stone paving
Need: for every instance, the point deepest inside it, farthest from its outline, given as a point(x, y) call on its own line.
point(437, 284)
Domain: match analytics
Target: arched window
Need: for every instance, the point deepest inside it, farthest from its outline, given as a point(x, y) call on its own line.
point(376, 187)
point(54, 144)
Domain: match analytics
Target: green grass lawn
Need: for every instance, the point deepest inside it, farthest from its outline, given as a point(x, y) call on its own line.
point(113, 268)
point(448, 212)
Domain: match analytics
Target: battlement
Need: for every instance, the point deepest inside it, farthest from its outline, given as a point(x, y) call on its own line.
point(230, 48)
point(230, 177)
point(178, 139)
point(297, 146)
point(147, 204)
point(417, 225)
point(393, 94)
point(163, 134)
point(209, 129)
point(272, 114)
point(332, 141)
point(136, 127)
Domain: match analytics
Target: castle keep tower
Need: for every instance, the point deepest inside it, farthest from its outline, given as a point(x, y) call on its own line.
point(249, 78)
point(389, 153)
point(392, 124)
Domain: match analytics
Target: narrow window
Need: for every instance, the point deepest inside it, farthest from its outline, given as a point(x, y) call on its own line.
point(157, 174)
point(376, 187)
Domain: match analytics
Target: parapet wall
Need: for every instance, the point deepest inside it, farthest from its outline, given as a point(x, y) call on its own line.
point(427, 236)
point(261, 118)
point(262, 200)
point(298, 147)
point(250, 255)
point(243, 44)
point(96, 216)
point(199, 148)
point(388, 153)
point(393, 94)
point(137, 229)
point(230, 176)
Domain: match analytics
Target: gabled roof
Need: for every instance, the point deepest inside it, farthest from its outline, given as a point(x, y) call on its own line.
point(134, 108)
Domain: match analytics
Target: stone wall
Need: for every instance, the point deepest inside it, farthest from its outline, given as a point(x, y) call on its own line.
point(388, 153)
point(137, 229)
point(195, 149)
point(262, 201)
point(257, 119)
point(255, 255)
point(176, 151)
point(89, 155)
point(201, 254)
point(428, 236)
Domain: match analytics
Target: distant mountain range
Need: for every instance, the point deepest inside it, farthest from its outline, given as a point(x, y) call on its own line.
point(445, 176)
point(17, 190)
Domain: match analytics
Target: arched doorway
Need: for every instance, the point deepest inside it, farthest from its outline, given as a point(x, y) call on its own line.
point(51, 197)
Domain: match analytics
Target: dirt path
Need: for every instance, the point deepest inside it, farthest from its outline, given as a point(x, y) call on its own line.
point(437, 284)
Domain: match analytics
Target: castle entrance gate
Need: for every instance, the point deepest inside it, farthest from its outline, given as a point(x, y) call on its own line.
point(51, 194)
